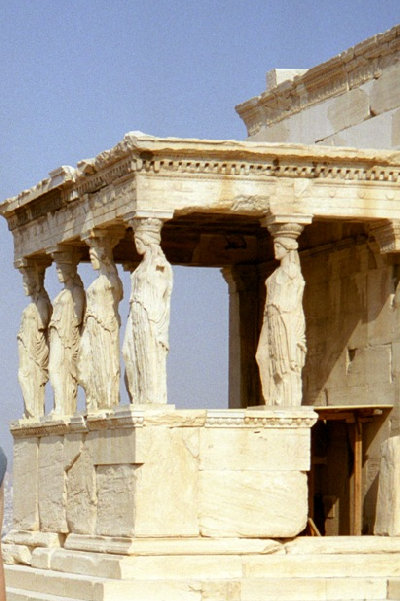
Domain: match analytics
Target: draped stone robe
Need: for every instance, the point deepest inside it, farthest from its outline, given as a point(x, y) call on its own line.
point(282, 346)
point(98, 362)
point(64, 337)
point(33, 354)
point(146, 341)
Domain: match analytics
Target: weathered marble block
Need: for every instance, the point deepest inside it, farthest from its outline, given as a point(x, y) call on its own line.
point(388, 506)
point(26, 473)
point(166, 473)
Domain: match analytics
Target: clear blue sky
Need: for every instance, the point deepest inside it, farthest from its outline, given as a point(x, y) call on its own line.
point(75, 76)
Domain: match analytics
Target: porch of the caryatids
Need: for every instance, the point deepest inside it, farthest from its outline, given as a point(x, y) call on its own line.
point(282, 349)
point(146, 342)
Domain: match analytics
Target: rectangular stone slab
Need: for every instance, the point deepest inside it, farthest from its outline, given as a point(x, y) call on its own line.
point(252, 504)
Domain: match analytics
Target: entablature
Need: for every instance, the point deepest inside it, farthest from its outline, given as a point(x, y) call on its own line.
point(206, 185)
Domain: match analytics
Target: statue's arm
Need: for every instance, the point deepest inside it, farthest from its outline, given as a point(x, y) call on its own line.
point(164, 317)
point(299, 327)
point(115, 282)
point(294, 322)
point(79, 304)
point(44, 312)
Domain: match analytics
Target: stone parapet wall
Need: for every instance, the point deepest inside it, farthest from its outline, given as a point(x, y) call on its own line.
point(238, 473)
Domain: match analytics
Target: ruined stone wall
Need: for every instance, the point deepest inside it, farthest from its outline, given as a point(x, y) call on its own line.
point(351, 100)
point(353, 333)
point(352, 309)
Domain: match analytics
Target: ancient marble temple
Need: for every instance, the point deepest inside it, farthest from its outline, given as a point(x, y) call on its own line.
point(117, 491)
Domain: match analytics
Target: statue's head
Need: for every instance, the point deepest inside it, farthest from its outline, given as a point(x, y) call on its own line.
point(33, 279)
point(100, 252)
point(147, 233)
point(65, 271)
point(65, 265)
point(283, 245)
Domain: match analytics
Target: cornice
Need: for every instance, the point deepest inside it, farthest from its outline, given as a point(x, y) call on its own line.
point(262, 417)
point(130, 417)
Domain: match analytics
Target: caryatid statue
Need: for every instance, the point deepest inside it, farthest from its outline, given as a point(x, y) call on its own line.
point(32, 339)
point(98, 358)
point(145, 347)
point(64, 333)
point(282, 347)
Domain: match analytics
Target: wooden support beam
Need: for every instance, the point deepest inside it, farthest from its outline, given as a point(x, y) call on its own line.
point(357, 478)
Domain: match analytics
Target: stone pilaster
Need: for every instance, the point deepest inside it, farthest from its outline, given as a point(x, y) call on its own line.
point(242, 283)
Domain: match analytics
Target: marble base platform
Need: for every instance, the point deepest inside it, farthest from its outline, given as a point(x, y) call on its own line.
point(164, 473)
point(154, 503)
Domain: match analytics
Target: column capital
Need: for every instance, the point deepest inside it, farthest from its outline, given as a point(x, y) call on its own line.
point(286, 225)
point(64, 254)
point(387, 234)
point(111, 236)
point(41, 262)
point(133, 216)
point(286, 222)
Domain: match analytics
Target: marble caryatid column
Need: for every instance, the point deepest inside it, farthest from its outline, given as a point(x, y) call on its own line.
point(281, 350)
point(146, 344)
point(64, 333)
point(98, 358)
point(32, 338)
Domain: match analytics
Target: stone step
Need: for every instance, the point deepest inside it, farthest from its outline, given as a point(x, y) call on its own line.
point(176, 567)
point(393, 589)
point(343, 545)
point(349, 566)
point(136, 592)
point(313, 589)
point(14, 594)
point(35, 584)
point(119, 567)
point(74, 586)
point(159, 546)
